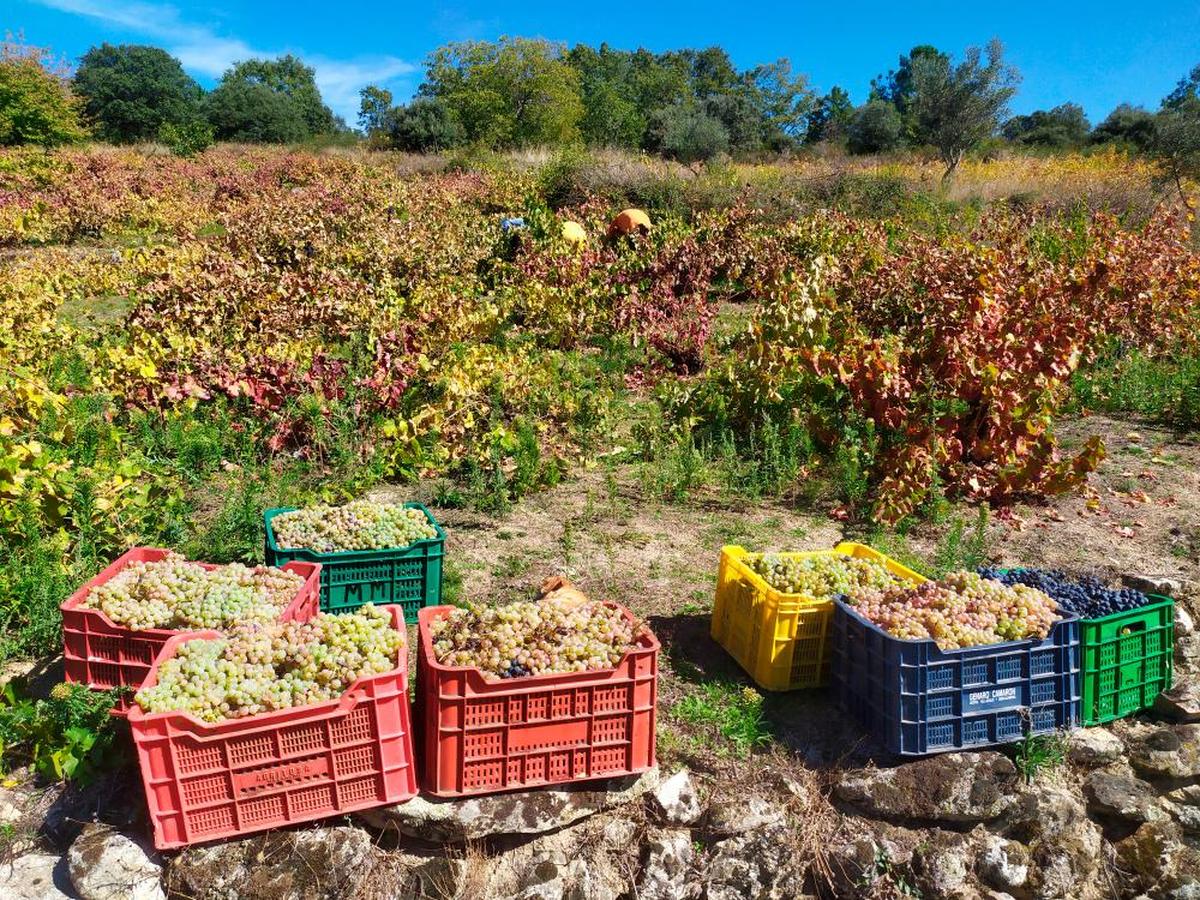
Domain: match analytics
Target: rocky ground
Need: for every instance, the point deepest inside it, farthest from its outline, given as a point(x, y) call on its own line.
point(787, 800)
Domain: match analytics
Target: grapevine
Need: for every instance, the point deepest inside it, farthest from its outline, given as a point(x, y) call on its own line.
point(533, 638)
point(258, 668)
point(961, 610)
point(358, 525)
point(175, 593)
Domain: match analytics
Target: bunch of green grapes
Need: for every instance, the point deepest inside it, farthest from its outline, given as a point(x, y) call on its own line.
point(961, 610)
point(177, 594)
point(533, 638)
point(358, 525)
point(258, 668)
point(821, 576)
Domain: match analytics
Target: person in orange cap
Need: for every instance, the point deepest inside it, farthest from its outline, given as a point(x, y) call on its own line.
point(629, 221)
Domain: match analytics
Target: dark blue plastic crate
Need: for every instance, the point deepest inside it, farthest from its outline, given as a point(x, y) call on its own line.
point(915, 698)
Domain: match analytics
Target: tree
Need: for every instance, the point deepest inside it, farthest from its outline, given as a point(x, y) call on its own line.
point(37, 105)
point(1059, 128)
point(1126, 124)
point(896, 87)
point(374, 108)
point(423, 126)
point(612, 114)
point(250, 111)
point(955, 108)
point(1177, 141)
point(129, 91)
point(511, 92)
point(875, 128)
point(1187, 88)
point(689, 134)
point(287, 91)
point(829, 118)
point(783, 100)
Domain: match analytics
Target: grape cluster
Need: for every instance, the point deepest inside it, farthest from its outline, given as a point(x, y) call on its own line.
point(533, 638)
point(358, 525)
point(175, 593)
point(1087, 597)
point(961, 610)
point(257, 668)
point(821, 576)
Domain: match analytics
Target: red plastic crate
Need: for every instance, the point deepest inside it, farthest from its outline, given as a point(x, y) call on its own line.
point(483, 735)
point(210, 781)
point(103, 655)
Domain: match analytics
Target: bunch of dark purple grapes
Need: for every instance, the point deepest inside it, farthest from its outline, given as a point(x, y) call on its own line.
point(1087, 596)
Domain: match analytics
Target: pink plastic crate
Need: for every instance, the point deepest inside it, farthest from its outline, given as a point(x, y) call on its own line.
point(102, 654)
point(483, 735)
point(208, 782)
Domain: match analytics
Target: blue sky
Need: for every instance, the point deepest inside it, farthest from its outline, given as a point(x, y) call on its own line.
point(1098, 54)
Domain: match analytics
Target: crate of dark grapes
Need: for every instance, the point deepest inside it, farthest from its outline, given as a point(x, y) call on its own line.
point(381, 553)
point(116, 624)
point(1127, 640)
point(269, 726)
point(955, 664)
point(773, 611)
point(520, 697)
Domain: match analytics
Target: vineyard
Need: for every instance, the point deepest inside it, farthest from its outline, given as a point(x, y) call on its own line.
point(790, 355)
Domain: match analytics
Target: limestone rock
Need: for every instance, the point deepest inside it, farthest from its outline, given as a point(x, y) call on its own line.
point(954, 788)
point(1121, 797)
point(35, 876)
point(1163, 585)
point(676, 799)
point(1167, 752)
point(522, 812)
point(545, 878)
point(759, 863)
point(1064, 844)
point(1094, 747)
point(739, 815)
point(1003, 864)
point(667, 863)
point(1184, 624)
point(307, 864)
point(942, 865)
point(1184, 805)
point(106, 865)
point(1181, 703)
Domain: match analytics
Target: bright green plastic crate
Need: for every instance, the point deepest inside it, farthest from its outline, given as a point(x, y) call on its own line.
point(410, 577)
point(1127, 660)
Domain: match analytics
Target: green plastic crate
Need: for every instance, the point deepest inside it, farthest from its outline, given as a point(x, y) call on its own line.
point(410, 577)
point(1128, 659)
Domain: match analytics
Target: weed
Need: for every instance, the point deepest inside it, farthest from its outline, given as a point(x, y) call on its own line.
point(1035, 754)
point(68, 736)
point(736, 712)
point(960, 550)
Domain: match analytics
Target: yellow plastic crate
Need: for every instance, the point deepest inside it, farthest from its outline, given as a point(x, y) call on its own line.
point(781, 640)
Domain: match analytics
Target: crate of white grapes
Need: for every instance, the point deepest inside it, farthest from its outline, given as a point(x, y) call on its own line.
point(773, 611)
point(380, 553)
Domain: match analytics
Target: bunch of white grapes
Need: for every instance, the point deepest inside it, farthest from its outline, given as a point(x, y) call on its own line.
point(175, 593)
point(961, 610)
point(258, 668)
point(821, 576)
point(533, 638)
point(358, 525)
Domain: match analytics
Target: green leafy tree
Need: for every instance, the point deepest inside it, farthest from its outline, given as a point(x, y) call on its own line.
point(186, 138)
point(875, 128)
point(1126, 124)
point(957, 107)
point(612, 112)
point(253, 112)
point(508, 93)
point(784, 101)
point(1059, 128)
point(1188, 88)
point(374, 110)
point(129, 91)
point(1177, 141)
point(423, 126)
point(829, 118)
point(37, 105)
point(284, 89)
point(689, 134)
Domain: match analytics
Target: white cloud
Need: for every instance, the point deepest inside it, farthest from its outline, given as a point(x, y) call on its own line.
point(205, 53)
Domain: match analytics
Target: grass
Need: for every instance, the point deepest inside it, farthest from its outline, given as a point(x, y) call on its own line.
point(734, 712)
point(1036, 754)
point(1164, 389)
